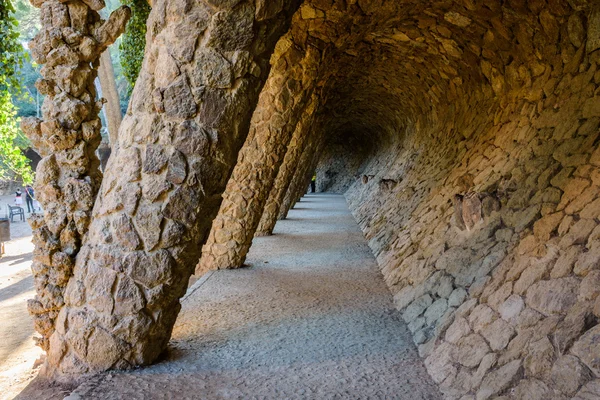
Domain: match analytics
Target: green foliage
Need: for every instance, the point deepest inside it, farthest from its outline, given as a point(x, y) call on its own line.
point(29, 19)
point(12, 55)
point(29, 103)
point(13, 163)
point(134, 40)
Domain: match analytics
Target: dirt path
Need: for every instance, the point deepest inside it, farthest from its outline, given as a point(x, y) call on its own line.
point(17, 349)
point(311, 318)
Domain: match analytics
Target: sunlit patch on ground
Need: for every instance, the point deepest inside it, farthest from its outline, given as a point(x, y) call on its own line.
point(18, 352)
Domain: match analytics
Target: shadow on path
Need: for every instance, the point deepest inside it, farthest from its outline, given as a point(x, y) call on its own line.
point(311, 318)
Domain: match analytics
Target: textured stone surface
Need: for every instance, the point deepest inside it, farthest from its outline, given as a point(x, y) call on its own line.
point(282, 101)
point(464, 135)
point(317, 343)
point(68, 177)
point(161, 189)
point(587, 348)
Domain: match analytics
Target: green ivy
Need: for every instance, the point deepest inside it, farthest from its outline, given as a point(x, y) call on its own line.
point(134, 40)
point(12, 55)
point(13, 163)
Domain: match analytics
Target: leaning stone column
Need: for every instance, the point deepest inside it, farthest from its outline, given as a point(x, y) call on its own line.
point(69, 44)
point(204, 67)
point(280, 105)
point(306, 167)
point(286, 172)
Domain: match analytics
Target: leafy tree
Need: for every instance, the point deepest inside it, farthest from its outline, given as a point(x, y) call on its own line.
point(29, 19)
point(28, 103)
point(134, 40)
point(13, 163)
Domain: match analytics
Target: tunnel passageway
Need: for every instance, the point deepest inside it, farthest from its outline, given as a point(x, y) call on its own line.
point(310, 318)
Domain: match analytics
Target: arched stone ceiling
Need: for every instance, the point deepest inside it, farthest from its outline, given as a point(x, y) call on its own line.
point(388, 62)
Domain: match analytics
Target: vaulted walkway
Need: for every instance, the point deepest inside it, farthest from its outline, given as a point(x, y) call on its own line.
point(310, 318)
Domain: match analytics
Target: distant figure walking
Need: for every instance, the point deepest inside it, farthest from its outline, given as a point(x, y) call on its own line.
point(313, 184)
point(29, 198)
point(18, 197)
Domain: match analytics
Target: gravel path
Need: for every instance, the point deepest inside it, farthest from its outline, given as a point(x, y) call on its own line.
point(311, 318)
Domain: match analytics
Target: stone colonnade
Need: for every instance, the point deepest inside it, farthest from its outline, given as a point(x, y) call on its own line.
point(478, 195)
point(204, 68)
point(282, 103)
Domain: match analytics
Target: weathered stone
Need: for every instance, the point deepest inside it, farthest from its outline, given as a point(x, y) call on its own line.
point(128, 297)
point(593, 33)
point(587, 261)
point(539, 359)
point(471, 349)
point(190, 139)
point(569, 374)
point(590, 391)
point(457, 330)
point(481, 316)
point(439, 362)
point(554, 296)
point(148, 220)
point(457, 297)
point(231, 31)
point(416, 308)
point(499, 379)
point(436, 310)
point(178, 100)
point(511, 308)
point(155, 159)
point(176, 172)
point(564, 264)
point(213, 70)
point(587, 349)
point(125, 232)
point(498, 334)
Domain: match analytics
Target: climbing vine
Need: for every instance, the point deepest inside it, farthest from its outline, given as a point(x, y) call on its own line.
point(13, 163)
point(134, 40)
point(11, 50)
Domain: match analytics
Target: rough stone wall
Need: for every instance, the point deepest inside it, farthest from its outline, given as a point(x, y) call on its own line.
point(340, 165)
point(69, 45)
point(204, 67)
point(484, 218)
point(479, 196)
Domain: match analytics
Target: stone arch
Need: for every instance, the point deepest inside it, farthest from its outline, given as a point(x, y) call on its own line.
point(494, 104)
point(480, 201)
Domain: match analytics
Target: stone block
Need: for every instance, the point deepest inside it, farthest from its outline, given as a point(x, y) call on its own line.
point(459, 329)
point(591, 391)
point(555, 296)
point(587, 348)
point(590, 286)
point(533, 389)
point(568, 374)
point(416, 308)
point(539, 359)
point(436, 311)
point(499, 380)
point(457, 297)
point(511, 308)
point(498, 334)
point(481, 316)
point(471, 350)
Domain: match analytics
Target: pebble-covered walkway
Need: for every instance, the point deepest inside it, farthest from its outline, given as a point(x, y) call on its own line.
point(311, 318)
